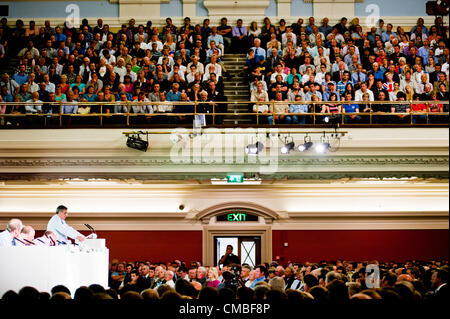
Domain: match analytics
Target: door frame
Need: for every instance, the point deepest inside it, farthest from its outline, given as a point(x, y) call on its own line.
point(209, 232)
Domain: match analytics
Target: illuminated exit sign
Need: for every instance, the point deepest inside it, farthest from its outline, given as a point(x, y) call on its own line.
point(237, 217)
point(235, 178)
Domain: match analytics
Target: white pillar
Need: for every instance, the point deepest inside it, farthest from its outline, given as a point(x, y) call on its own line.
point(189, 8)
point(284, 8)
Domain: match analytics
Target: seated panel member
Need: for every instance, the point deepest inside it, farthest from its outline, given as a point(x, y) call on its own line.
point(26, 236)
point(58, 225)
point(13, 230)
point(49, 239)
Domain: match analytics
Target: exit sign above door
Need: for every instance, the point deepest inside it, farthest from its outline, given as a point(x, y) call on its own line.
point(237, 217)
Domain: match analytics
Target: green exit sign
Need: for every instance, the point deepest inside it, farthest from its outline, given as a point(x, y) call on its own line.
point(237, 217)
point(235, 178)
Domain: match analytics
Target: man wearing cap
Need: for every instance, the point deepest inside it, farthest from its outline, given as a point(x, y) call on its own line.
point(58, 225)
point(13, 229)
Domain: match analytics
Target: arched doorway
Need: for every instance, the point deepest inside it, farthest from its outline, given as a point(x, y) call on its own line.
point(247, 224)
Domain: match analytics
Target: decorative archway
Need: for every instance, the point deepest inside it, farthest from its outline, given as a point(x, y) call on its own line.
point(262, 230)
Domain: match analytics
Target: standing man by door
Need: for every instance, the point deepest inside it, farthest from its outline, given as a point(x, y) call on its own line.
point(229, 258)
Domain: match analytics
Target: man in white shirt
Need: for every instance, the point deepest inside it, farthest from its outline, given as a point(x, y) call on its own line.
point(49, 239)
point(359, 94)
point(26, 236)
point(13, 230)
point(169, 279)
point(288, 35)
point(58, 225)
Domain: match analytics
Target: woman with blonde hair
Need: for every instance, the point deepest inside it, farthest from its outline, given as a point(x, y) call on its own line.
point(409, 93)
point(213, 278)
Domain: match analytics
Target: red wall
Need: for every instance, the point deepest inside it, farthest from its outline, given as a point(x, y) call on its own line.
point(155, 246)
point(386, 245)
point(304, 245)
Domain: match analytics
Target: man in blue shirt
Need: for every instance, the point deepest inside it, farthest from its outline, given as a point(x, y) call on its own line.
point(258, 50)
point(342, 84)
point(216, 38)
point(385, 36)
point(260, 274)
point(359, 76)
point(298, 107)
point(350, 108)
point(329, 90)
point(325, 28)
point(20, 77)
point(424, 51)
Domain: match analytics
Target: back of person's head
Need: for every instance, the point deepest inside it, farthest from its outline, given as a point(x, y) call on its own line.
point(10, 295)
point(353, 288)
point(97, 288)
point(60, 288)
point(83, 294)
point(333, 275)
point(337, 291)
point(389, 295)
point(390, 279)
point(227, 295)
point(311, 280)
point(277, 283)
point(406, 291)
point(209, 295)
point(44, 296)
point(294, 296)
point(184, 288)
point(128, 287)
point(114, 295)
point(372, 293)
point(60, 296)
point(28, 294)
point(171, 296)
point(163, 288)
point(261, 292)
point(245, 294)
point(276, 296)
point(149, 294)
point(319, 293)
point(102, 296)
point(131, 295)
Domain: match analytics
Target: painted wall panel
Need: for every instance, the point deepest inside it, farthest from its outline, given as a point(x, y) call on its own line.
point(393, 8)
point(300, 8)
point(360, 245)
point(172, 9)
point(57, 9)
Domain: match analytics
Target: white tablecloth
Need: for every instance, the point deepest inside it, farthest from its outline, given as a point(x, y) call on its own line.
point(45, 267)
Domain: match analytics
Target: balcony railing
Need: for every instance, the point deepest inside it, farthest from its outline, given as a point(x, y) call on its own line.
point(149, 114)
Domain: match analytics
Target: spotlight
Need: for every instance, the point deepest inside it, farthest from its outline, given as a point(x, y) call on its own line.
point(286, 149)
point(333, 120)
point(322, 147)
point(254, 149)
point(135, 142)
point(306, 145)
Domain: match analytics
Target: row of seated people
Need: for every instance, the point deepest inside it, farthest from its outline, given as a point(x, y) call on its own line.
point(321, 63)
point(297, 283)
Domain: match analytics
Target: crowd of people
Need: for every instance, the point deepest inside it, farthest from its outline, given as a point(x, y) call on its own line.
point(336, 281)
point(165, 70)
point(302, 66)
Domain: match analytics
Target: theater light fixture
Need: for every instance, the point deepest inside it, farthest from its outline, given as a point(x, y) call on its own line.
point(135, 141)
point(254, 149)
point(288, 145)
point(333, 120)
point(306, 145)
point(323, 146)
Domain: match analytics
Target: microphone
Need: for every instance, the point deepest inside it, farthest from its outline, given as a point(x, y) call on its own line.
point(61, 242)
point(90, 228)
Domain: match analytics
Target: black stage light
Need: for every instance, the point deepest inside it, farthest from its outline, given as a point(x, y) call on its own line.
point(135, 142)
point(286, 149)
point(254, 149)
point(306, 145)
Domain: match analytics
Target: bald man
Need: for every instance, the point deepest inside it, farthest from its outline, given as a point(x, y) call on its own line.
point(26, 236)
point(13, 229)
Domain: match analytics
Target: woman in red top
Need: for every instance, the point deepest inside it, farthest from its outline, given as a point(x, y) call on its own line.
point(419, 108)
point(435, 108)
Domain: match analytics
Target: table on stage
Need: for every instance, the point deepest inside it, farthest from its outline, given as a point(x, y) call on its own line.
point(44, 267)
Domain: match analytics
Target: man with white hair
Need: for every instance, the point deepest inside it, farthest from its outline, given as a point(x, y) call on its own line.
point(169, 279)
point(13, 229)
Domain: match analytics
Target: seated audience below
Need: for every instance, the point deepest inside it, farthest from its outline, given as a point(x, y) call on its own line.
point(301, 283)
